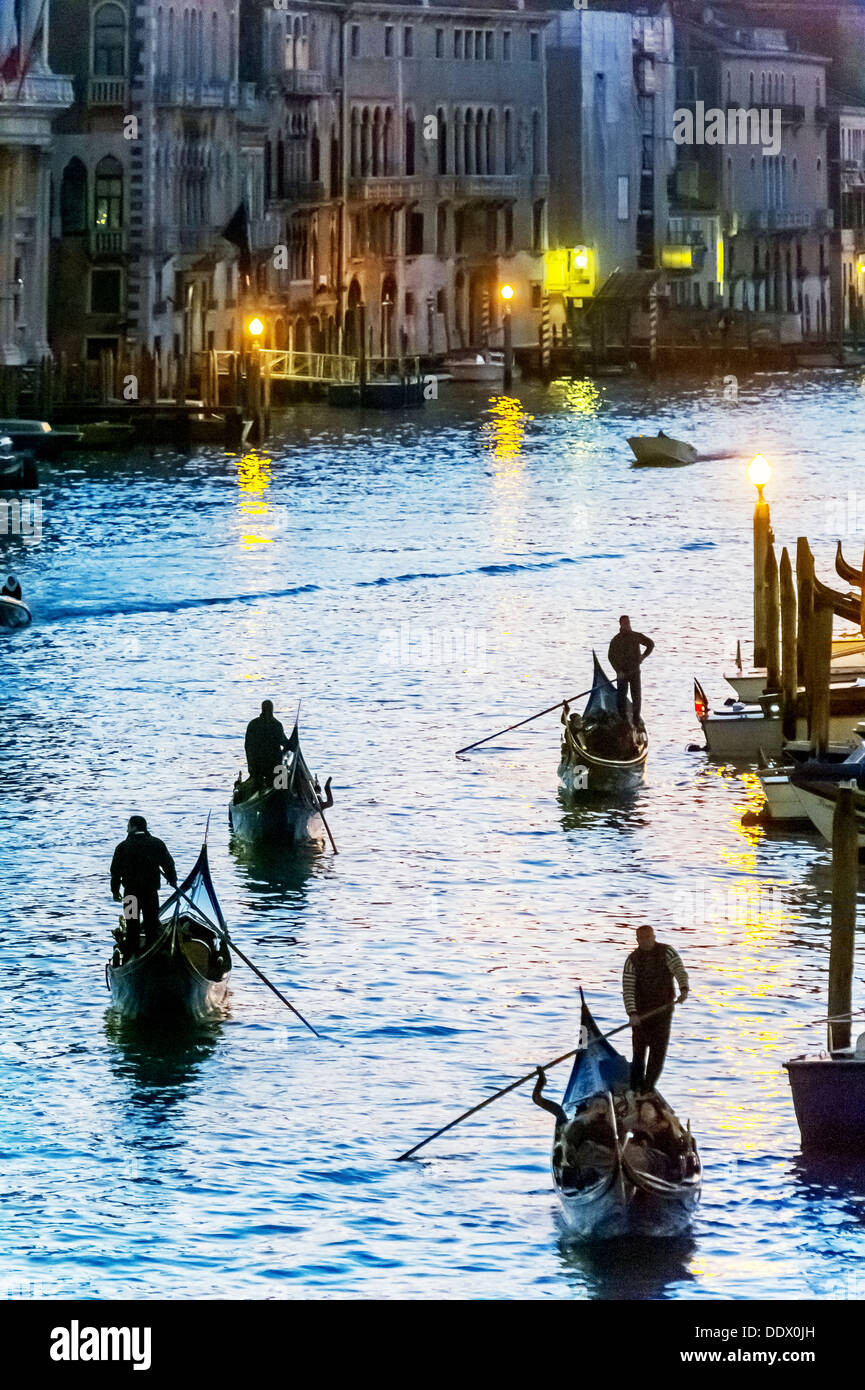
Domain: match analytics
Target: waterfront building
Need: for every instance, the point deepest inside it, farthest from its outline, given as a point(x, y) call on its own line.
point(767, 179)
point(846, 146)
point(150, 163)
point(31, 96)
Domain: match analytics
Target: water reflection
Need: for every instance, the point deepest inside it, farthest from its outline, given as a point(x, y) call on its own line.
point(636, 1269)
point(158, 1065)
point(278, 876)
point(254, 477)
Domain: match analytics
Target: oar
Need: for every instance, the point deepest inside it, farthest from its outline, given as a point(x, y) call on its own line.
point(223, 932)
point(521, 722)
point(523, 1079)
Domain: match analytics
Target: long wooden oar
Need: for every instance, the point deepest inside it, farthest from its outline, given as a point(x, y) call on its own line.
point(523, 1079)
point(521, 722)
point(223, 932)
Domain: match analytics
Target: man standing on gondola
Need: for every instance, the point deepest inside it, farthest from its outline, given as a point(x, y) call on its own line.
point(265, 744)
point(649, 982)
point(137, 864)
point(625, 656)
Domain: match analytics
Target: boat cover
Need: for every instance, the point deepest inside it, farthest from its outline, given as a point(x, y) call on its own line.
point(199, 894)
point(602, 704)
point(598, 1067)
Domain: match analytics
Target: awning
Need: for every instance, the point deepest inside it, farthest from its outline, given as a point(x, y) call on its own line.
point(628, 286)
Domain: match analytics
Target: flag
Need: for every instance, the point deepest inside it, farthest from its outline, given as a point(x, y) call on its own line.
point(9, 49)
point(237, 232)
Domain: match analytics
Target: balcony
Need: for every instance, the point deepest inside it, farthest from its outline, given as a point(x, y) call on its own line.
point(792, 115)
point(108, 91)
point(782, 220)
point(386, 190)
point(825, 219)
point(174, 91)
point(301, 191)
point(300, 82)
point(487, 186)
point(107, 241)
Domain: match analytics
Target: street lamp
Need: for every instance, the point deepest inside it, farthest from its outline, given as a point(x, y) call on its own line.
point(507, 294)
point(256, 329)
point(759, 474)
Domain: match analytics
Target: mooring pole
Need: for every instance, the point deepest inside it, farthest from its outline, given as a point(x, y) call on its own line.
point(762, 539)
point(821, 666)
point(789, 681)
point(773, 621)
point(845, 884)
point(805, 588)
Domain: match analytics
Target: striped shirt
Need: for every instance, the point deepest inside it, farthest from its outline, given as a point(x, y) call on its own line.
point(629, 976)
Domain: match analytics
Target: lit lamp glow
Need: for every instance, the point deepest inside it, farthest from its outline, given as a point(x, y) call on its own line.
point(759, 473)
point(507, 293)
point(581, 259)
point(256, 327)
point(860, 265)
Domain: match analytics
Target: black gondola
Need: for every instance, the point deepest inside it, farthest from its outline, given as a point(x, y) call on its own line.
point(184, 974)
point(600, 749)
point(287, 812)
point(635, 1191)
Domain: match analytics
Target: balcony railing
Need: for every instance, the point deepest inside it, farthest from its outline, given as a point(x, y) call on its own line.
point(386, 190)
point(107, 241)
point(37, 89)
point(301, 82)
point(792, 115)
point(783, 220)
point(486, 186)
point(108, 91)
point(301, 191)
point(174, 91)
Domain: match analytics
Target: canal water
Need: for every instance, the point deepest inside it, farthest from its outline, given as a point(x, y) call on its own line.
point(416, 582)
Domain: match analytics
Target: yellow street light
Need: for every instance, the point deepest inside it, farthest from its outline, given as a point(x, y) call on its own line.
point(256, 327)
point(759, 473)
point(860, 265)
point(581, 259)
point(507, 293)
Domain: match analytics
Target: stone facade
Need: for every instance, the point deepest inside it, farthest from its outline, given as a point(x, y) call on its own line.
point(30, 99)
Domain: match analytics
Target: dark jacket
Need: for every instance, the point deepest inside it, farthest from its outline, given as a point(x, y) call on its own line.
point(265, 742)
point(11, 591)
point(624, 654)
point(137, 862)
point(647, 979)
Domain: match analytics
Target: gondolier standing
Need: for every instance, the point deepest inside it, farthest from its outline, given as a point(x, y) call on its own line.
point(137, 863)
point(265, 744)
point(649, 981)
point(625, 657)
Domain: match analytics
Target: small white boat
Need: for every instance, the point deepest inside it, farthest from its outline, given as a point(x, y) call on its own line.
point(13, 613)
point(488, 366)
point(748, 733)
point(848, 664)
point(661, 451)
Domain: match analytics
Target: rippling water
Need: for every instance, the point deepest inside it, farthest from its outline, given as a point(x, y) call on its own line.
point(442, 949)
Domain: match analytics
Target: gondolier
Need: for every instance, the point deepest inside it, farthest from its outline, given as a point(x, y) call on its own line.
point(625, 657)
point(11, 589)
point(265, 744)
point(137, 863)
point(649, 982)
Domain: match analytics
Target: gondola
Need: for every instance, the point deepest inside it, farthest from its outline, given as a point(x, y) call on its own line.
point(183, 976)
point(13, 613)
point(287, 812)
point(626, 1199)
point(600, 750)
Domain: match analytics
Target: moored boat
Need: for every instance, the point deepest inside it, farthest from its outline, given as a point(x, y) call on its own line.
point(287, 811)
point(661, 451)
point(13, 613)
point(634, 1189)
point(487, 366)
point(744, 733)
point(601, 750)
point(183, 975)
point(39, 438)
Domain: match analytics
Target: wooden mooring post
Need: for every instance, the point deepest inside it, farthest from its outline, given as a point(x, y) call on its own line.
point(845, 885)
point(773, 621)
point(820, 669)
point(789, 678)
point(805, 588)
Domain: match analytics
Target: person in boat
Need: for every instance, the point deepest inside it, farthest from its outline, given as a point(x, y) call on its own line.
point(136, 867)
point(11, 589)
point(626, 655)
point(265, 744)
point(649, 982)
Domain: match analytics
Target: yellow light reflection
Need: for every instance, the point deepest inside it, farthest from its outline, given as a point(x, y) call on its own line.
point(504, 433)
point(582, 397)
point(253, 479)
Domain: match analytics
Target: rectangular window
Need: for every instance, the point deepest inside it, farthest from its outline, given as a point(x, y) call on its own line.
point(105, 289)
point(534, 45)
point(458, 43)
point(354, 40)
point(470, 44)
point(509, 229)
point(407, 41)
point(388, 40)
point(479, 44)
point(506, 45)
point(414, 234)
point(440, 43)
point(488, 42)
point(624, 198)
point(409, 304)
point(535, 295)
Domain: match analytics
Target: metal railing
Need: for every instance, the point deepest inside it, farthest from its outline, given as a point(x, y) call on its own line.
point(108, 91)
point(285, 364)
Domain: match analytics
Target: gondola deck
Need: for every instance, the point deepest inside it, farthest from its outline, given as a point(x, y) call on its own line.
point(181, 976)
point(627, 1201)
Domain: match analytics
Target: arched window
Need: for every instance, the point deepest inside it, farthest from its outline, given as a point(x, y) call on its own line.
point(73, 199)
point(536, 143)
point(509, 142)
point(314, 156)
point(169, 53)
point(442, 125)
point(109, 41)
point(214, 47)
point(377, 143)
point(492, 154)
point(480, 167)
point(268, 171)
point(387, 166)
point(469, 143)
point(409, 142)
point(109, 194)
